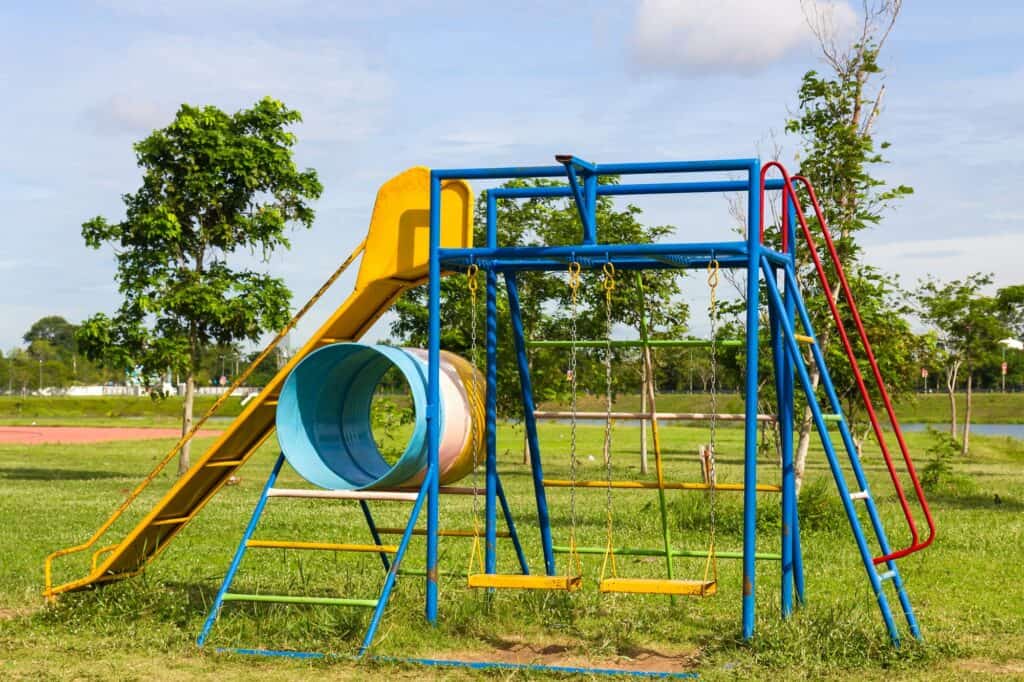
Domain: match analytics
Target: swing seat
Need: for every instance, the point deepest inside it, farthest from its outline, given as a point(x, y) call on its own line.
point(692, 588)
point(565, 583)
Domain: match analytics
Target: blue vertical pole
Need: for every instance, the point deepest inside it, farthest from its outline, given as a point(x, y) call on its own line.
point(433, 394)
point(788, 384)
point(750, 412)
point(526, 387)
point(783, 423)
point(236, 560)
point(590, 195)
point(491, 423)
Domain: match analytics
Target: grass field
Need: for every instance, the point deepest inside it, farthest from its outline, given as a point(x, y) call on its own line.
point(991, 408)
point(966, 589)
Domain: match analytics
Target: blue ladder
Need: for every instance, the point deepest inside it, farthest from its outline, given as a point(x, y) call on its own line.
point(791, 340)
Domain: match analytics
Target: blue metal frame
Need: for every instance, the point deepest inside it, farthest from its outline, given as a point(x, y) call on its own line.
point(584, 187)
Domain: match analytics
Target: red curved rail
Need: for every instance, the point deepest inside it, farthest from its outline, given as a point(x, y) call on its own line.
point(916, 543)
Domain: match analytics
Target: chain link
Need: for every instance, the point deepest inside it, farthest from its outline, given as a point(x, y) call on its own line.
point(574, 287)
point(609, 288)
point(713, 269)
point(472, 284)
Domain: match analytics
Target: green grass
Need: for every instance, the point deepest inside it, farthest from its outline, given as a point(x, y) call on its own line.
point(966, 589)
point(991, 408)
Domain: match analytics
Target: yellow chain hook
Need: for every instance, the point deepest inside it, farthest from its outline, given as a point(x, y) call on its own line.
point(574, 278)
point(609, 279)
point(713, 269)
point(471, 273)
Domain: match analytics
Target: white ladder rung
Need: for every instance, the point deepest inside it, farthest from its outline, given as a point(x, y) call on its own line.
point(860, 495)
point(388, 495)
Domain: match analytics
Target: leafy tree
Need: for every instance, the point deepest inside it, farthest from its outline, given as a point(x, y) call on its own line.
point(837, 114)
point(967, 324)
point(56, 331)
point(213, 184)
point(546, 301)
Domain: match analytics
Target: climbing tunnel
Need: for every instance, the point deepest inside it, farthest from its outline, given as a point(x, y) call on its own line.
point(324, 417)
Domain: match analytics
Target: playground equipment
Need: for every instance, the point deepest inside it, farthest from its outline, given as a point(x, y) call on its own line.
point(421, 230)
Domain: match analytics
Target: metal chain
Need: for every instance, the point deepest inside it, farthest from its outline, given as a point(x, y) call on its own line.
point(472, 285)
point(574, 287)
point(609, 288)
point(713, 268)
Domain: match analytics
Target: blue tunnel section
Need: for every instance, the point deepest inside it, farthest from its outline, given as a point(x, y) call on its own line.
point(324, 421)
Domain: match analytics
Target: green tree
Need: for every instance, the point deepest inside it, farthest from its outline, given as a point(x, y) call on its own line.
point(968, 325)
point(546, 302)
point(56, 331)
point(835, 122)
point(213, 184)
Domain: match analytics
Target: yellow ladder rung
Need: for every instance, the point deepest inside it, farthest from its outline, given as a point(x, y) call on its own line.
point(653, 485)
point(526, 582)
point(177, 520)
point(224, 463)
point(455, 533)
point(328, 546)
point(803, 338)
point(697, 588)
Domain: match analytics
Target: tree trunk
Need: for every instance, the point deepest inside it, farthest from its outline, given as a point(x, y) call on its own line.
point(967, 416)
point(186, 423)
point(803, 442)
point(951, 372)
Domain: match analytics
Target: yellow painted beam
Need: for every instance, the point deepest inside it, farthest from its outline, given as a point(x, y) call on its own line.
point(653, 485)
point(692, 588)
point(803, 338)
point(455, 533)
point(327, 546)
point(526, 582)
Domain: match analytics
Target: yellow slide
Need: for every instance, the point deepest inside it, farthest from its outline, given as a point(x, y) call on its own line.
point(395, 257)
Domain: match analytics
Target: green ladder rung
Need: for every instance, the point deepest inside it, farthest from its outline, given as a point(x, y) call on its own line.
point(291, 599)
point(836, 418)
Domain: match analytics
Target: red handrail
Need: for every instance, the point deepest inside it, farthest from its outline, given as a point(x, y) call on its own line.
point(916, 543)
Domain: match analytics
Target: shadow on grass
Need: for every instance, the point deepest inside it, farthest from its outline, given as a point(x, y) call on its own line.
point(40, 474)
point(990, 501)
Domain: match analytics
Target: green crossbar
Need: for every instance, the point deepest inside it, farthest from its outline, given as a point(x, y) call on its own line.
point(832, 417)
point(636, 343)
point(634, 551)
point(290, 599)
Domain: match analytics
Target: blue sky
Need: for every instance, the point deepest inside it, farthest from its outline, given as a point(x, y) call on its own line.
point(386, 85)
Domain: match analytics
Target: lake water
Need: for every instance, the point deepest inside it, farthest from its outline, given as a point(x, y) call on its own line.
point(1012, 430)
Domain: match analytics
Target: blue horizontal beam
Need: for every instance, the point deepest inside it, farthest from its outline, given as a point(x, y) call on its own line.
point(633, 189)
point(606, 251)
point(621, 263)
point(719, 165)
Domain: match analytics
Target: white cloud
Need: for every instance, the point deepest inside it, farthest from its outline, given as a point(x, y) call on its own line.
point(954, 258)
point(731, 36)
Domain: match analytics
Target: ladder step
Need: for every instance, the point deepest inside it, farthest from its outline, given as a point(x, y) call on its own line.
point(695, 588)
point(832, 417)
point(803, 338)
point(860, 495)
point(389, 495)
point(326, 546)
point(224, 463)
point(290, 599)
point(652, 485)
point(332, 339)
point(175, 521)
point(660, 416)
point(526, 582)
point(888, 575)
point(455, 533)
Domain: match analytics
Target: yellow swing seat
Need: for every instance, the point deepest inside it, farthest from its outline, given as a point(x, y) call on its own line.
point(565, 583)
point(691, 588)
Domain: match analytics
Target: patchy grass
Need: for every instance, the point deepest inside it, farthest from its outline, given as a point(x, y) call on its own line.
point(966, 589)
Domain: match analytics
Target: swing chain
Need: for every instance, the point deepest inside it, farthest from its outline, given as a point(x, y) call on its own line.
point(574, 286)
point(473, 285)
point(609, 288)
point(713, 279)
